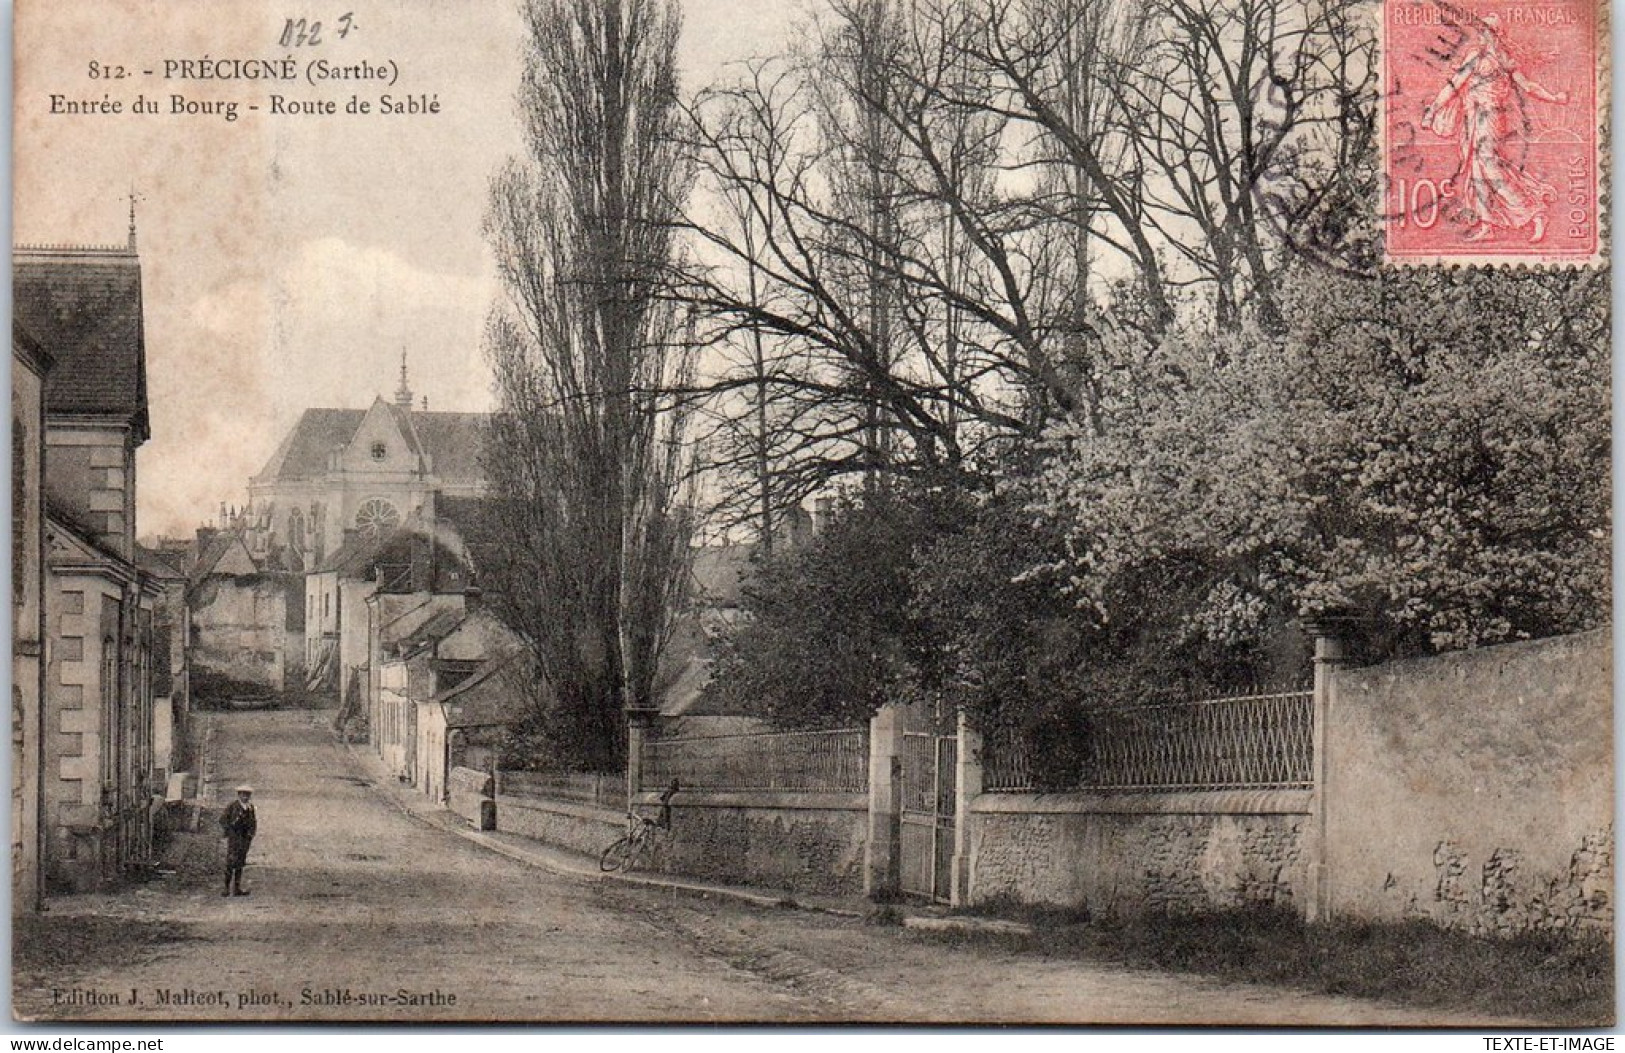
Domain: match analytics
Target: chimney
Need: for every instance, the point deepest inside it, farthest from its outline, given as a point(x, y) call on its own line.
point(473, 599)
point(823, 514)
point(798, 526)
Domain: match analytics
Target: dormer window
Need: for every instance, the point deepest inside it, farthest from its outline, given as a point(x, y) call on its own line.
point(378, 451)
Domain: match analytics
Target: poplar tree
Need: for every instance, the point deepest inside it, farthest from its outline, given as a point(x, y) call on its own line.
point(585, 452)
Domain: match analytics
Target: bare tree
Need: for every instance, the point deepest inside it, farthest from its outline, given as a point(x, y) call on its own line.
point(940, 225)
point(1177, 119)
point(585, 452)
point(855, 237)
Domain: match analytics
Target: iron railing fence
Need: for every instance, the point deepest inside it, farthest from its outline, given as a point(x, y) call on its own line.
point(791, 761)
point(1262, 741)
point(919, 772)
point(600, 788)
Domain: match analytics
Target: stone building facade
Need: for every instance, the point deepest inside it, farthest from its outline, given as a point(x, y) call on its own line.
point(29, 366)
point(83, 307)
point(364, 471)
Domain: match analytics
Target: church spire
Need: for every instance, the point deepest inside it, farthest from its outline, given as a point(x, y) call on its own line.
point(403, 394)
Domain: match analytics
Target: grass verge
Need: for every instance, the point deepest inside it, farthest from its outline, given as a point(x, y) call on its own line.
point(1549, 979)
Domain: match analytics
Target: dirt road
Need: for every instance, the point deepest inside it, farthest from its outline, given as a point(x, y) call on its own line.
point(359, 912)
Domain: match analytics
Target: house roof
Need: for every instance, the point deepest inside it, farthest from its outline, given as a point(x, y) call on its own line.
point(165, 564)
point(355, 556)
point(64, 522)
point(484, 699)
point(473, 521)
point(214, 551)
point(439, 626)
point(29, 350)
point(83, 308)
point(451, 440)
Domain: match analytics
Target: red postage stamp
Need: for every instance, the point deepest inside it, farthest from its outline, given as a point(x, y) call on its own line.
point(1490, 131)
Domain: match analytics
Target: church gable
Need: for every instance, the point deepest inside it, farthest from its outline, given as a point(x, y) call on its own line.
point(381, 443)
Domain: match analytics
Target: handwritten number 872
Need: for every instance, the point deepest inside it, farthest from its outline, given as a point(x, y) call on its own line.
point(299, 32)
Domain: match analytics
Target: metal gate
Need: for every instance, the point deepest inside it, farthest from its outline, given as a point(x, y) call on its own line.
point(927, 835)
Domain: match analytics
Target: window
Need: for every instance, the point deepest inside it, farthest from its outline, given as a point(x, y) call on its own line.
point(377, 517)
point(296, 531)
point(378, 451)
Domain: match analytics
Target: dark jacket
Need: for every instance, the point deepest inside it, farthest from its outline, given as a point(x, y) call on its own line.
point(237, 822)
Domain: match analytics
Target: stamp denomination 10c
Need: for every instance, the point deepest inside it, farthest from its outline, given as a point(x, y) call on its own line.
point(1490, 131)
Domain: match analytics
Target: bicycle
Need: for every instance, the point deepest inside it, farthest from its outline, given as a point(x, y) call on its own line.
point(641, 833)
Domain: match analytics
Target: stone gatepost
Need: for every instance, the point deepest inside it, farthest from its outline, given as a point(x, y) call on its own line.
point(967, 787)
point(638, 722)
point(1332, 632)
point(882, 863)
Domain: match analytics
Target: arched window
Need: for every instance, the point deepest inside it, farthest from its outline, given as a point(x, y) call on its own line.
point(296, 531)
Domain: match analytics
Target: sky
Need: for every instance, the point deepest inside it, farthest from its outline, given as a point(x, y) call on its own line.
point(289, 261)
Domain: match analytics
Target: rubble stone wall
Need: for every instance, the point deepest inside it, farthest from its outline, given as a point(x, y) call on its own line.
point(1145, 853)
point(809, 843)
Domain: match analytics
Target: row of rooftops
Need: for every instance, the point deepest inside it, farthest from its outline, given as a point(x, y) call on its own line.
point(440, 553)
point(445, 557)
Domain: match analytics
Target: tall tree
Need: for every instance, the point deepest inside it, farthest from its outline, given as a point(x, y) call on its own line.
point(584, 454)
point(1431, 447)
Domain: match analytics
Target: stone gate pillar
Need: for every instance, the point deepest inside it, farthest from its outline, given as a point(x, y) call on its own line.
point(882, 874)
point(967, 787)
point(637, 733)
point(1332, 633)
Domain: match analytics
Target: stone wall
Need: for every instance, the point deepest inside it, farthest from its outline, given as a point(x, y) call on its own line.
point(808, 843)
point(1116, 855)
point(238, 634)
point(468, 794)
point(1475, 789)
point(583, 828)
point(802, 843)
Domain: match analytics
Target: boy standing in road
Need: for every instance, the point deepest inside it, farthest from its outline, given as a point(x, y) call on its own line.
point(237, 823)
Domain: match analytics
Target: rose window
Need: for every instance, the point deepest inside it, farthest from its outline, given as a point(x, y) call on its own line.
point(377, 517)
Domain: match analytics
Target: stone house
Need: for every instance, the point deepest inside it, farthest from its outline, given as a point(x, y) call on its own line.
point(335, 601)
point(29, 366)
point(718, 574)
point(462, 725)
point(246, 632)
point(99, 781)
point(83, 308)
point(416, 559)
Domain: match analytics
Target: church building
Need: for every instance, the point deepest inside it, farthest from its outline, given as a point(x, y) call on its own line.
point(364, 471)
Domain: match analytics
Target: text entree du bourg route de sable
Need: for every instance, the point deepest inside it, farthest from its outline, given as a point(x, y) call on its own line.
point(207, 79)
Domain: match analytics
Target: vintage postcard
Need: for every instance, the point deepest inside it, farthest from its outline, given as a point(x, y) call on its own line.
point(812, 512)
